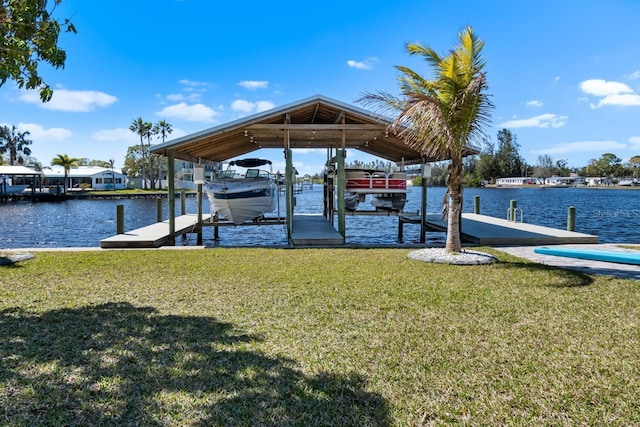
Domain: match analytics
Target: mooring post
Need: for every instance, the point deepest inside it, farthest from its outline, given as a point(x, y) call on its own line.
point(513, 205)
point(216, 232)
point(120, 219)
point(159, 208)
point(476, 205)
point(400, 227)
point(183, 210)
point(571, 218)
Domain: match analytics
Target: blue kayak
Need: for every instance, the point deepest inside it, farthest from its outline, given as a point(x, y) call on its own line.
point(592, 254)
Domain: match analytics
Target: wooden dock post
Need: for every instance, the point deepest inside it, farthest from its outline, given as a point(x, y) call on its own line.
point(216, 229)
point(476, 205)
point(183, 210)
point(120, 219)
point(159, 209)
point(571, 218)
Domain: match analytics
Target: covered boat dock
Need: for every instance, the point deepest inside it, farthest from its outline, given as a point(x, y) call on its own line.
point(320, 123)
point(317, 122)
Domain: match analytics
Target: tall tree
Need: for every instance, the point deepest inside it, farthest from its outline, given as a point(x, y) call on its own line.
point(608, 165)
point(67, 163)
point(442, 116)
point(508, 158)
point(162, 129)
point(29, 36)
point(15, 143)
point(634, 164)
point(545, 168)
point(143, 130)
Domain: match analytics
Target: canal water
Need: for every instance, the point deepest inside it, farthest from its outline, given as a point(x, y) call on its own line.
point(611, 214)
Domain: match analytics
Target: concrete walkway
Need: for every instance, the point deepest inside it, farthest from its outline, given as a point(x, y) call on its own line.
point(624, 271)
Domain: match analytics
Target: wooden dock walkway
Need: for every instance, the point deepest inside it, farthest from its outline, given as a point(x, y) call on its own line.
point(314, 230)
point(151, 236)
point(489, 231)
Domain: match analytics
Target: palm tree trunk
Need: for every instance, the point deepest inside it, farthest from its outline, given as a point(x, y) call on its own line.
point(453, 243)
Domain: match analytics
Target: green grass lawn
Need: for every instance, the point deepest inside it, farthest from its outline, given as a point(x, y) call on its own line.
point(313, 337)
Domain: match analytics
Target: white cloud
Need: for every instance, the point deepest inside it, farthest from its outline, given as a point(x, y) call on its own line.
point(309, 151)
point(599, 87)
point(620, 100)
point(242, 105)
point(245, 106)
point(582, 146)
point(191, 113)
point(367, 64)
point(556, 79)
point(179, 97)
point(117, 134)
point(192, 84)
point(264, 105)
point(634, 75)
point(254, 84)
point(39, 133)
point(125, 135)
point(541, 121)
point(534, 103)
point(635, 142)
point(71, 100)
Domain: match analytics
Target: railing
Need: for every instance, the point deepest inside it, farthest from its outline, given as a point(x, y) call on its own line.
point(512, 214)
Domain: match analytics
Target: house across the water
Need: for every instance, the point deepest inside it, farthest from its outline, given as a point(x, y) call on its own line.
point(517, 181)
point(95, 177)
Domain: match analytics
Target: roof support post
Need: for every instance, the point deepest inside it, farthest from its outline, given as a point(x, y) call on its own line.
point(171, 196)
point(340, 156)
point(288, 183)
point(288, 179)
point(341, 178)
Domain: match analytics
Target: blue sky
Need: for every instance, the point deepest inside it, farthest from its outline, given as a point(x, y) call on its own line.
point(564, 75)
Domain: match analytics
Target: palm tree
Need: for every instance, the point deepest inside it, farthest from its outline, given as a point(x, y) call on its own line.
point(162, 129)
point(67, 163)
point(442, 117)
point(143, 129)
point(15, 143)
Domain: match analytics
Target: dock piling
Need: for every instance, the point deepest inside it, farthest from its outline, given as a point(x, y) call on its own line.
point(571, 218)
point(119, 219)
point(476, 205)
point(159, 209)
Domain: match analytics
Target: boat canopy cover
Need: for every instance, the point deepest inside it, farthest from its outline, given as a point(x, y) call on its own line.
point(250, 163)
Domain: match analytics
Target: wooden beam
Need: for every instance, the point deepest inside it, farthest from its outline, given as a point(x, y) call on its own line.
point(316, 127)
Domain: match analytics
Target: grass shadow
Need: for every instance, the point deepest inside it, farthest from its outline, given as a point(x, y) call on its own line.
point(558, 277)
point(117, 364)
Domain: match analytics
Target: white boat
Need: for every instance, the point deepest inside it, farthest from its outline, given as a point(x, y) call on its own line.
point(243, 198)
point(388, 190)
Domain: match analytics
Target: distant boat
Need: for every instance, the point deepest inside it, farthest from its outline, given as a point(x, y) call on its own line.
point(243, 198)
point(7, 187)
point(389, 190)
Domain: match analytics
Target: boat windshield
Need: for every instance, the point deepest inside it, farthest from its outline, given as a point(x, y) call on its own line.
point(229, 173)
point(257, 173)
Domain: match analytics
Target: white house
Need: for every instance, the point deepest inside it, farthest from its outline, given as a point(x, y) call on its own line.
point(517, 181)
point(95, 177)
